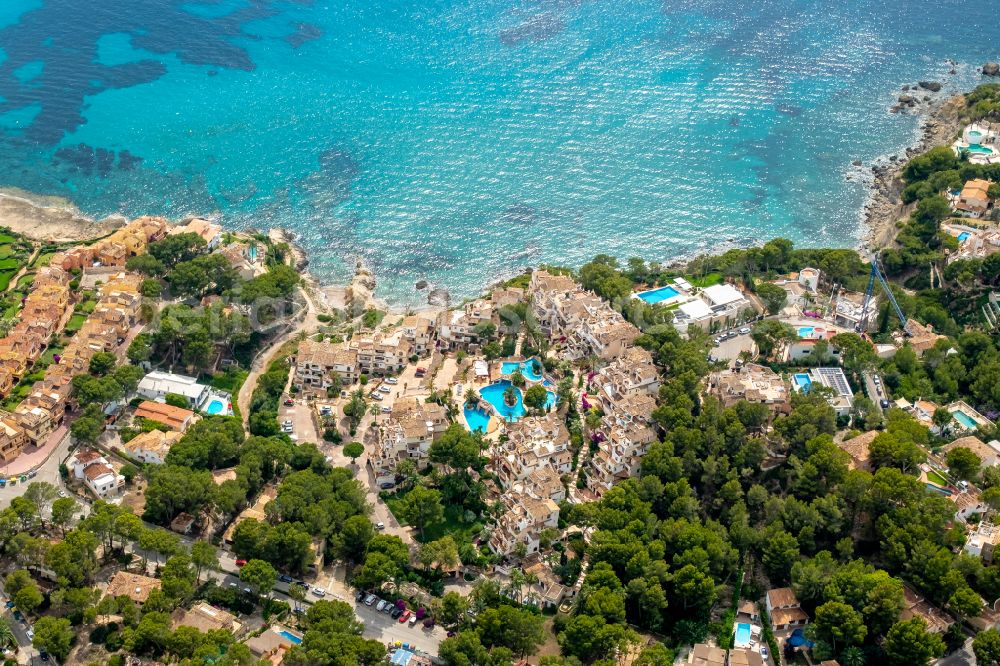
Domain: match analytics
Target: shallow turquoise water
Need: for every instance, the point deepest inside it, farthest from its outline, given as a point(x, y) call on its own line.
point(459, 141)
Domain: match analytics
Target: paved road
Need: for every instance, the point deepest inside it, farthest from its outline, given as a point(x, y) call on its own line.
point(730, 349)
point(876, 392)
point(47, 471)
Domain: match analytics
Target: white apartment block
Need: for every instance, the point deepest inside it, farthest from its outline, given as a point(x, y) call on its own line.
point(408, 434)
point(523, 522)
point(627, 431)
point(532, 443)
point(584, 322)
point(632, 373)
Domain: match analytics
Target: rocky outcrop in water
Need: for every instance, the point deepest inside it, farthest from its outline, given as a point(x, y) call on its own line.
point(933, 86)
point(438, 297)
point(991, 69)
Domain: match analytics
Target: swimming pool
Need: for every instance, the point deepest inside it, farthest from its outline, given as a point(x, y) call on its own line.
point(215, 407)
point(965, 420)
point(742, 634)
point(962, 236)
point(975, 136)
point(252, 253)
point(290, 636)
point(658, 295)
point(527, 369)
point(806, 331)
point(979, 150)
point(939, 489)
point(493, 394)
point(802, 381)
point(798, 638)
point(477, 419)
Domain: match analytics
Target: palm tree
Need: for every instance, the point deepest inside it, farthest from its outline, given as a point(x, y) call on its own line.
point(297, 593)
point(7, 638)
point(510, 396)
point(471, 397)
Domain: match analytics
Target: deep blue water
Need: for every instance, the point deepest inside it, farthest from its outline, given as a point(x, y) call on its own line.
point(460, 140)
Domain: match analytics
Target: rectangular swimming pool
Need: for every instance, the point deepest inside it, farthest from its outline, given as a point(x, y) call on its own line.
point(742, 634)
point(802, 381)
point(290, 636)
point(966, 420)
point(658, 295)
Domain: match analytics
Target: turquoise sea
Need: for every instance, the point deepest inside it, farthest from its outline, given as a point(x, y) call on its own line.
point(459, 140)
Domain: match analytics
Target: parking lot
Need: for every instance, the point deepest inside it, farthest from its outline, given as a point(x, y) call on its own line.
point(383, 627)
point(730, 348)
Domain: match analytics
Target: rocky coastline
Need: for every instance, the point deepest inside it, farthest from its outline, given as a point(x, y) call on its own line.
point(884, 208)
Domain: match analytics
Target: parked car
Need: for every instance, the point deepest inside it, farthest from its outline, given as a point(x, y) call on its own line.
point(62, 493)
point(370, 599)
point(396, 612)
point(43, 655)
point(763, 652)
point(413, 620)
point(386, 409)
point(380, 606)
point(384, 389)
point(289, 402)
point(241, 562)
point(389, 608)
point(247, 590)
point(884, 403)
point(30, 633)
point(391, 380)
point(360, 595)
point(319, 591)
point(285, 578)
point(405, 616)
point(375, 395)
point(380, 525)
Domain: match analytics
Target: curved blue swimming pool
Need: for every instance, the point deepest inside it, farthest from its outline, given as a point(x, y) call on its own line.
point(214, 407)
point(477, 419)
point(493, 394)
point(527, 369)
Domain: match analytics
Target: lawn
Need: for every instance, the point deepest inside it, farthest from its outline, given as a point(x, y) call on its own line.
point(5, 278)
point(934, 477)
point(706, 280)
point(75, 323)
point(46, 359)
point(43, 259)
point(230, 380)
point(25, 282)
point(7, 238)
point(451, 525)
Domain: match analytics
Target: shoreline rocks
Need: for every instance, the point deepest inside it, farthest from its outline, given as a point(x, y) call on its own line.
point(991, 69)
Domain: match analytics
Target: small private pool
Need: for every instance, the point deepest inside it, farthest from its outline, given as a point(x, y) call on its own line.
point(477, 419)
point(290, 636)
point(965, 420)
point(742, 634)
point(527, 369)
point(976, 149)
point(802, 381)
point(798, 639)
point(660, 295)
point(939, 489)
point(963, 236)
point(214, 407)
point(806, 331)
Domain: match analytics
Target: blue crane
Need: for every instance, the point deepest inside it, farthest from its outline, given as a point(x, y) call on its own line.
point(866, 308)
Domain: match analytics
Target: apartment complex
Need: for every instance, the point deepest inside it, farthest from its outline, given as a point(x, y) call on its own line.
point(523, 521)
point(580, 321)
point(316, 363)
point(406, 435)
point(532, 444)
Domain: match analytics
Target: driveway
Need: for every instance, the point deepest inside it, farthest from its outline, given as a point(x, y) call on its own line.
point(303, 426)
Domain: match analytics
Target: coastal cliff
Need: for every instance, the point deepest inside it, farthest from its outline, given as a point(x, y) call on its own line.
point(50, 219)
point(885, 207)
